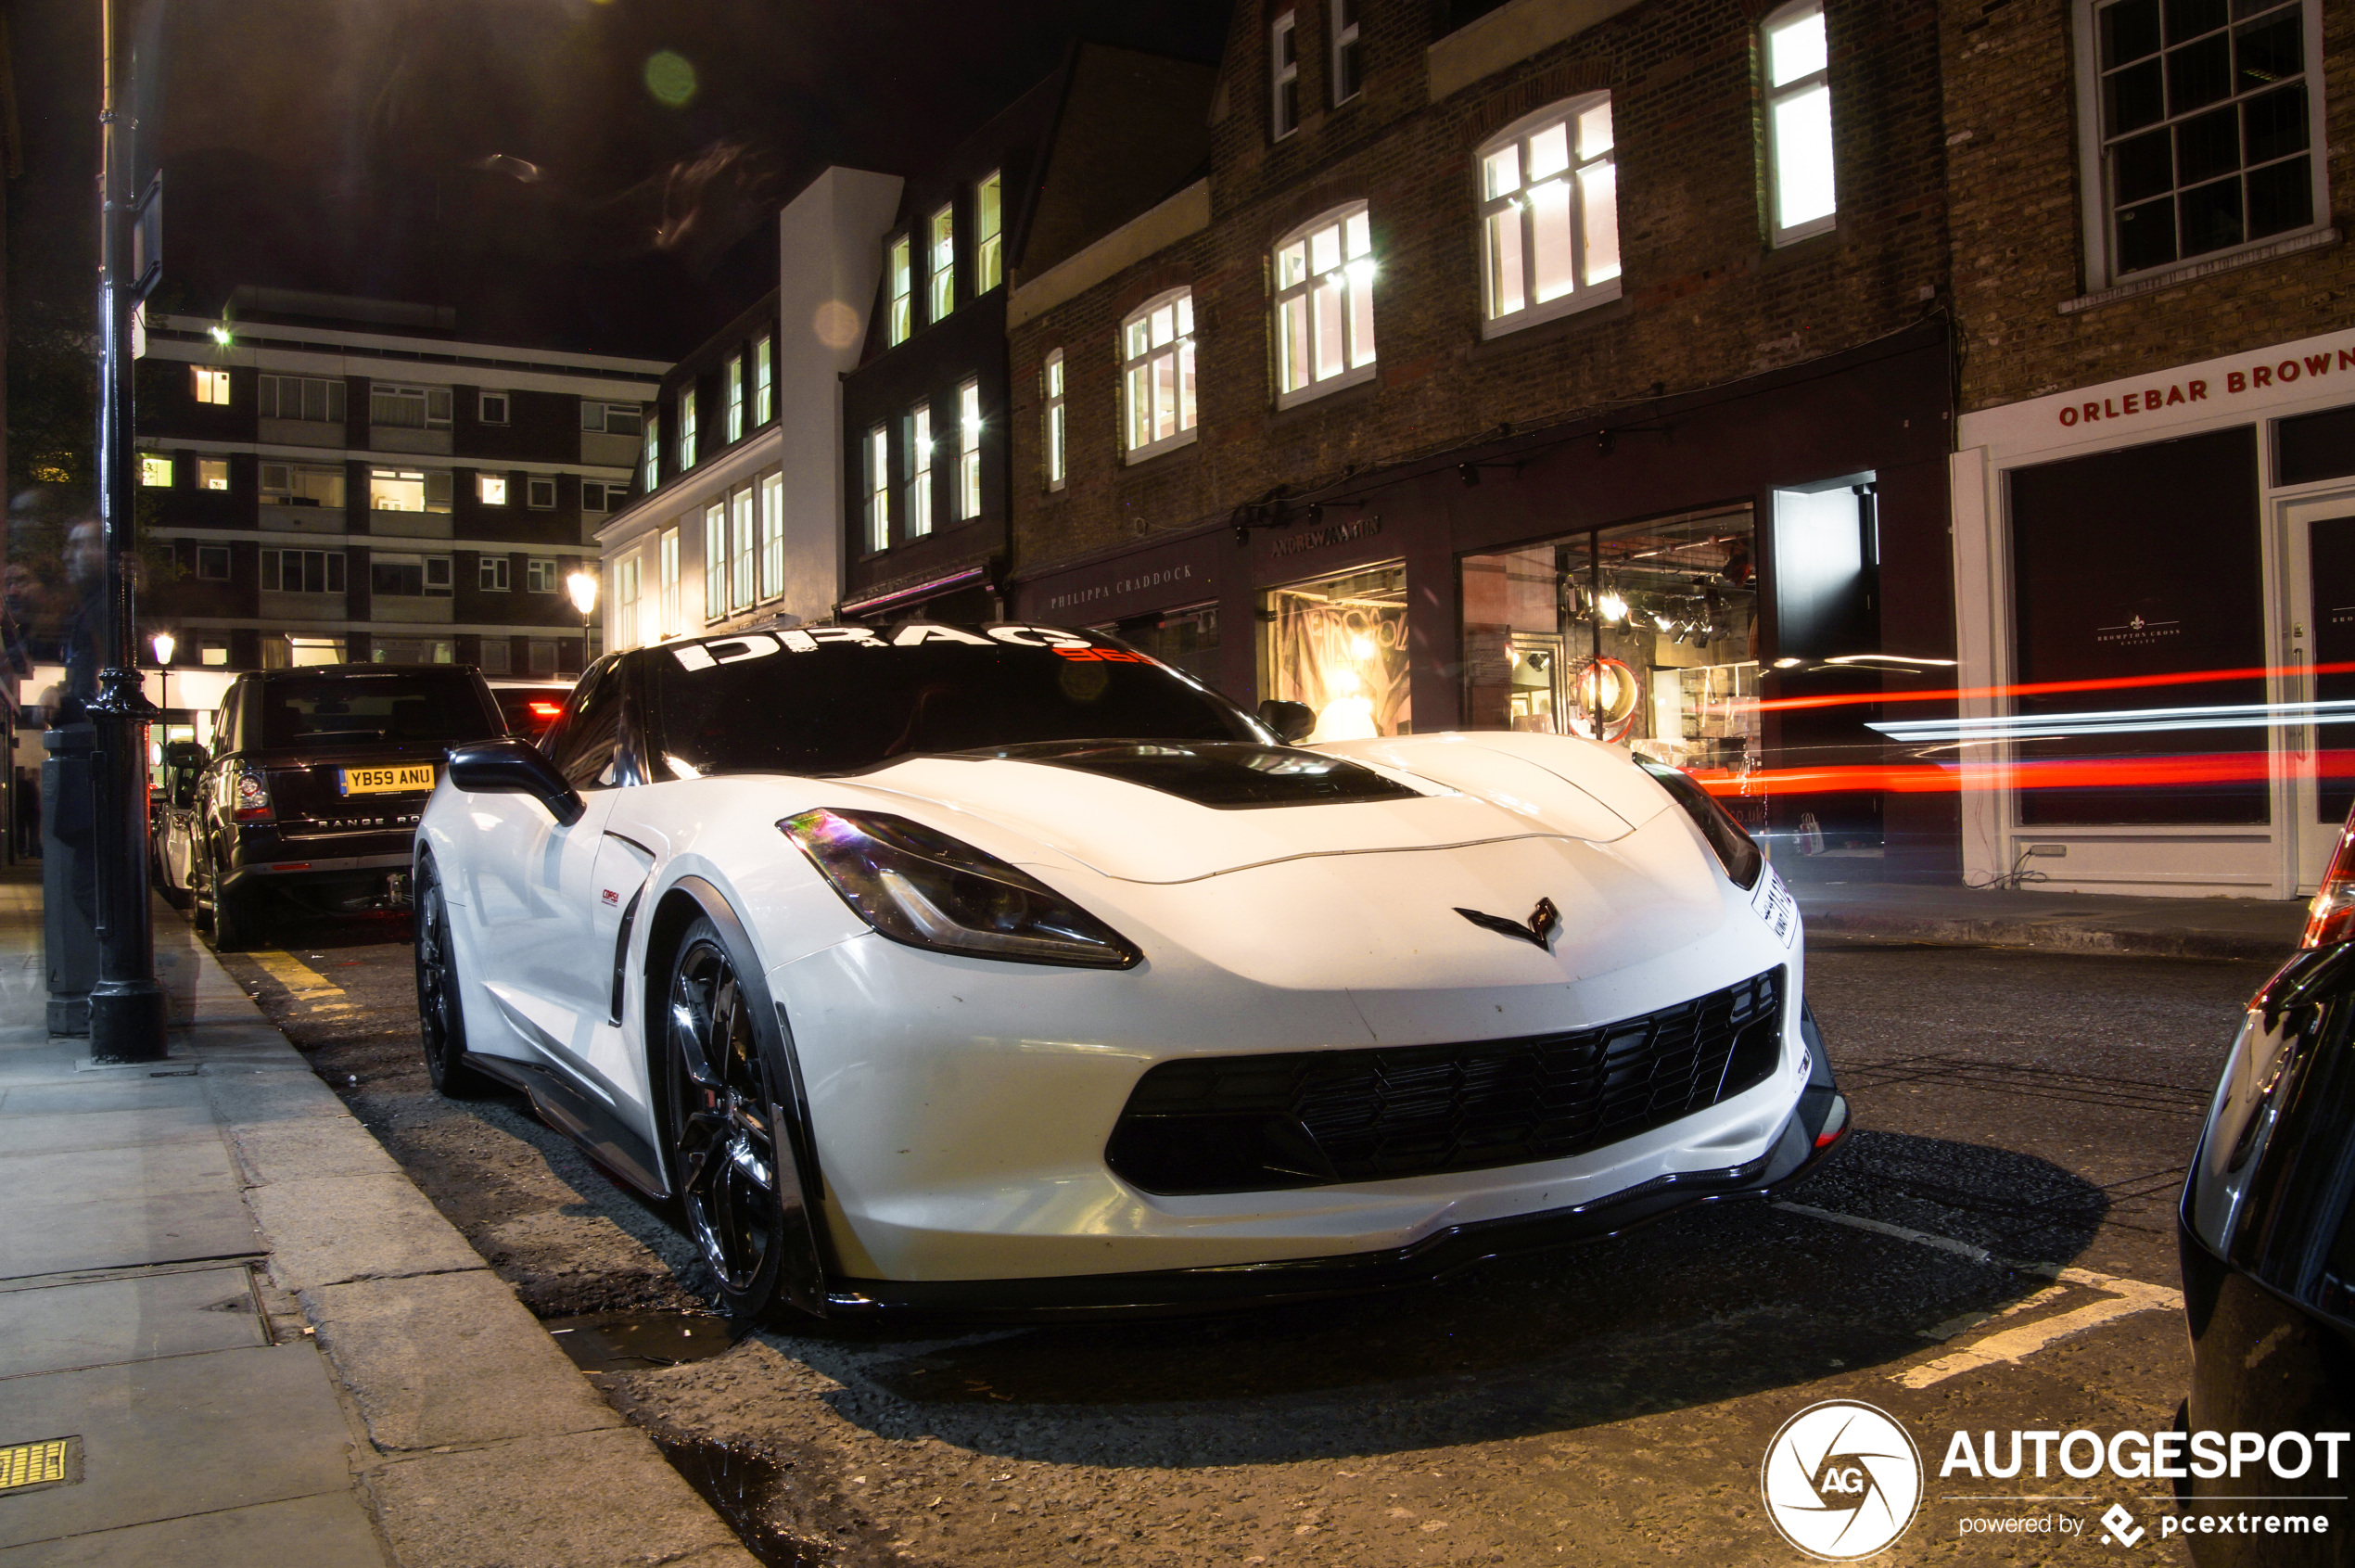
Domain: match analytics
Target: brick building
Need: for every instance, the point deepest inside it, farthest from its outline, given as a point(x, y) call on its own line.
point(346, 479)
point(2155, 477)
point(1552, 364)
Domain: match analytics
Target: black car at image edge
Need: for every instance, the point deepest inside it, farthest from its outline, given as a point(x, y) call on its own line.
point(312, 797)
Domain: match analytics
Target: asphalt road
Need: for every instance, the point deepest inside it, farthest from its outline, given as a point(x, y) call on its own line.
point(1993, 1250)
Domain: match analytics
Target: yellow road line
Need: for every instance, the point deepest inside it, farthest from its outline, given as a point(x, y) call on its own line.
point(307, 985)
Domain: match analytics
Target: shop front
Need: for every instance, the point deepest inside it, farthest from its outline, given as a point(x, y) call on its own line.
point(1727, 582)
point(2155, 593)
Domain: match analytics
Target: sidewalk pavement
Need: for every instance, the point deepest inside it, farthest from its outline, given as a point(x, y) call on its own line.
point(260, 1342)
point(2264, 929)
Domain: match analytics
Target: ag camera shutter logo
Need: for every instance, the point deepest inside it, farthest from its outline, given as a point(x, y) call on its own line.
point(1842, 1480)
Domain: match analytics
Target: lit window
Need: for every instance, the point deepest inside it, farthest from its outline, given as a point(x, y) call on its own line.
point(212, 563)
point(902, 282)
point(943, 297)
point(2208, 124)
point(1284, 78)
point(409, 408)
point(212, 473)
point(968, 451)
point(625, 599)
point(715, 561)
point(214, 655)
point(1157, 374)
point(735, 374)
point(1057, 471)
point(540, 576)
point(744, 553)
point(155, 470)
point(1549, 214)
point(493, 408)
point(764, 381)
point(650, 456)
point(314, 398)
point(491, 488)
point(669, 583)
point(687, 426)
point(773, 535)
point(878, 489)
point(212, 386)
point(491, 574)
point(540, 493)
point(1325, 306)
point(298, 484)
point(1348, 81)
point(1798, 121)
point(918, 450)
point(989, 239)
point(406, 489)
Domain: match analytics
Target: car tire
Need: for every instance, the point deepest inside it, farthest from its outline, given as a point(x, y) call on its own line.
point(235, 925)
point(441, 1014)
point(725, 1077)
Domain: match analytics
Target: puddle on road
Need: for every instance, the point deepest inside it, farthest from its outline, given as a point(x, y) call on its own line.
point(633, 1341)
point(740, 1486)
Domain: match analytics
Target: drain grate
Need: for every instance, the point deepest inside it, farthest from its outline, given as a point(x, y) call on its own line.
point(52, 1461)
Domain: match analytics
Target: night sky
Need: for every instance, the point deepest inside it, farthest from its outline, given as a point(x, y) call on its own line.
point(585, 173)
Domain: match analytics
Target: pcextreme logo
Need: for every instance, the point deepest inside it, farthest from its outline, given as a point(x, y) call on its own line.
point(1841, 1481)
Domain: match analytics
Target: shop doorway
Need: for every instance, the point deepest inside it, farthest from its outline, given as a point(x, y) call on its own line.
point(1338, 645)
point(2319, 755)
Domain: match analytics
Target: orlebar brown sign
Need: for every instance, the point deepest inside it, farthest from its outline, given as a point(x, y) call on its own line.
point(2257, 375)
point(1158, 576)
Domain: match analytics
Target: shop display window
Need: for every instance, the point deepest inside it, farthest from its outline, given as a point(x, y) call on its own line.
point(1645, 634)
point(1338, 645)
point(1186, 638)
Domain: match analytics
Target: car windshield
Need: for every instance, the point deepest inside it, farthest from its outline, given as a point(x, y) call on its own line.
point(410, 707)
point(836, 699)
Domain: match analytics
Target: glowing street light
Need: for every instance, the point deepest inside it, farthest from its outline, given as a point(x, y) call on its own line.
point(163, 643)
point(582, 586)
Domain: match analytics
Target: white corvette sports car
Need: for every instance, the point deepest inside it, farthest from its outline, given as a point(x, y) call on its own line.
point(1003, 970)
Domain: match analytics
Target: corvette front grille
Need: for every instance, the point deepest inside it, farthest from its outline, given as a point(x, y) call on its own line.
point(1307, 1119)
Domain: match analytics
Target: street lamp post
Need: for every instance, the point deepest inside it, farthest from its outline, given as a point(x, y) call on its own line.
point(126, 1005)
point(582, 585)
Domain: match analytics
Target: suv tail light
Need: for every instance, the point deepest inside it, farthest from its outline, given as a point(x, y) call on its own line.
point(2330, 918)
point(252, 804)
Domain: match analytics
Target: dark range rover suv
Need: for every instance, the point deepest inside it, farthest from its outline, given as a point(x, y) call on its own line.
point(314, 796)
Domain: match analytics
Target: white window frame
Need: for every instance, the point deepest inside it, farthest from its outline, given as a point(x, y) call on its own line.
point(215, 555)
point(899, 277)
point(1587, 164)
point(211, 386)
point(273, 571)
point(916, 453)
point(715, 560)
point(968, 451)
point(668, 578)
point(539, 492)
point(743, 585)
point(598, 415)
point(539, 576)
point(271, 389)
point(491, 489)
point(1142, 359)
point(1801, 87)
point(764, 379)
point(1344, 59)
point(650, 455)
point(485, 399)
point(208, 470)
point(1351, 268)
point(155, 470)
point(282, 483)
point(434, 485)
point(627, 608)
point(493, 574)
point(435, 578)
point(773, 535)
point(989, 232)
point(941, 262)
point(735, 372)
point(878, 509)
point(1283, 76)
point(686, 426)
point(1055, 437)
point(433, 405)
point(2094, 164)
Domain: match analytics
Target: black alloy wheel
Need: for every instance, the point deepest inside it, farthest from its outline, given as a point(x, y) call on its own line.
point(441, 1019)
point(234, 929)
point(724, 1099)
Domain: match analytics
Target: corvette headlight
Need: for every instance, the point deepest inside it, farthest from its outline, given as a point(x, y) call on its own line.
point(926, 889)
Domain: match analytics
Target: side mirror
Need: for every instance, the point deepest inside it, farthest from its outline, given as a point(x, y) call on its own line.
point(514, 767)
point(1290, 720)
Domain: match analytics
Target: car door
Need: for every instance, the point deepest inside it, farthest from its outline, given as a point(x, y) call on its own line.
point(532, 898)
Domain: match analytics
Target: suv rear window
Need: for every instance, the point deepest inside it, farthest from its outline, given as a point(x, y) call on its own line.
point(406, 707)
